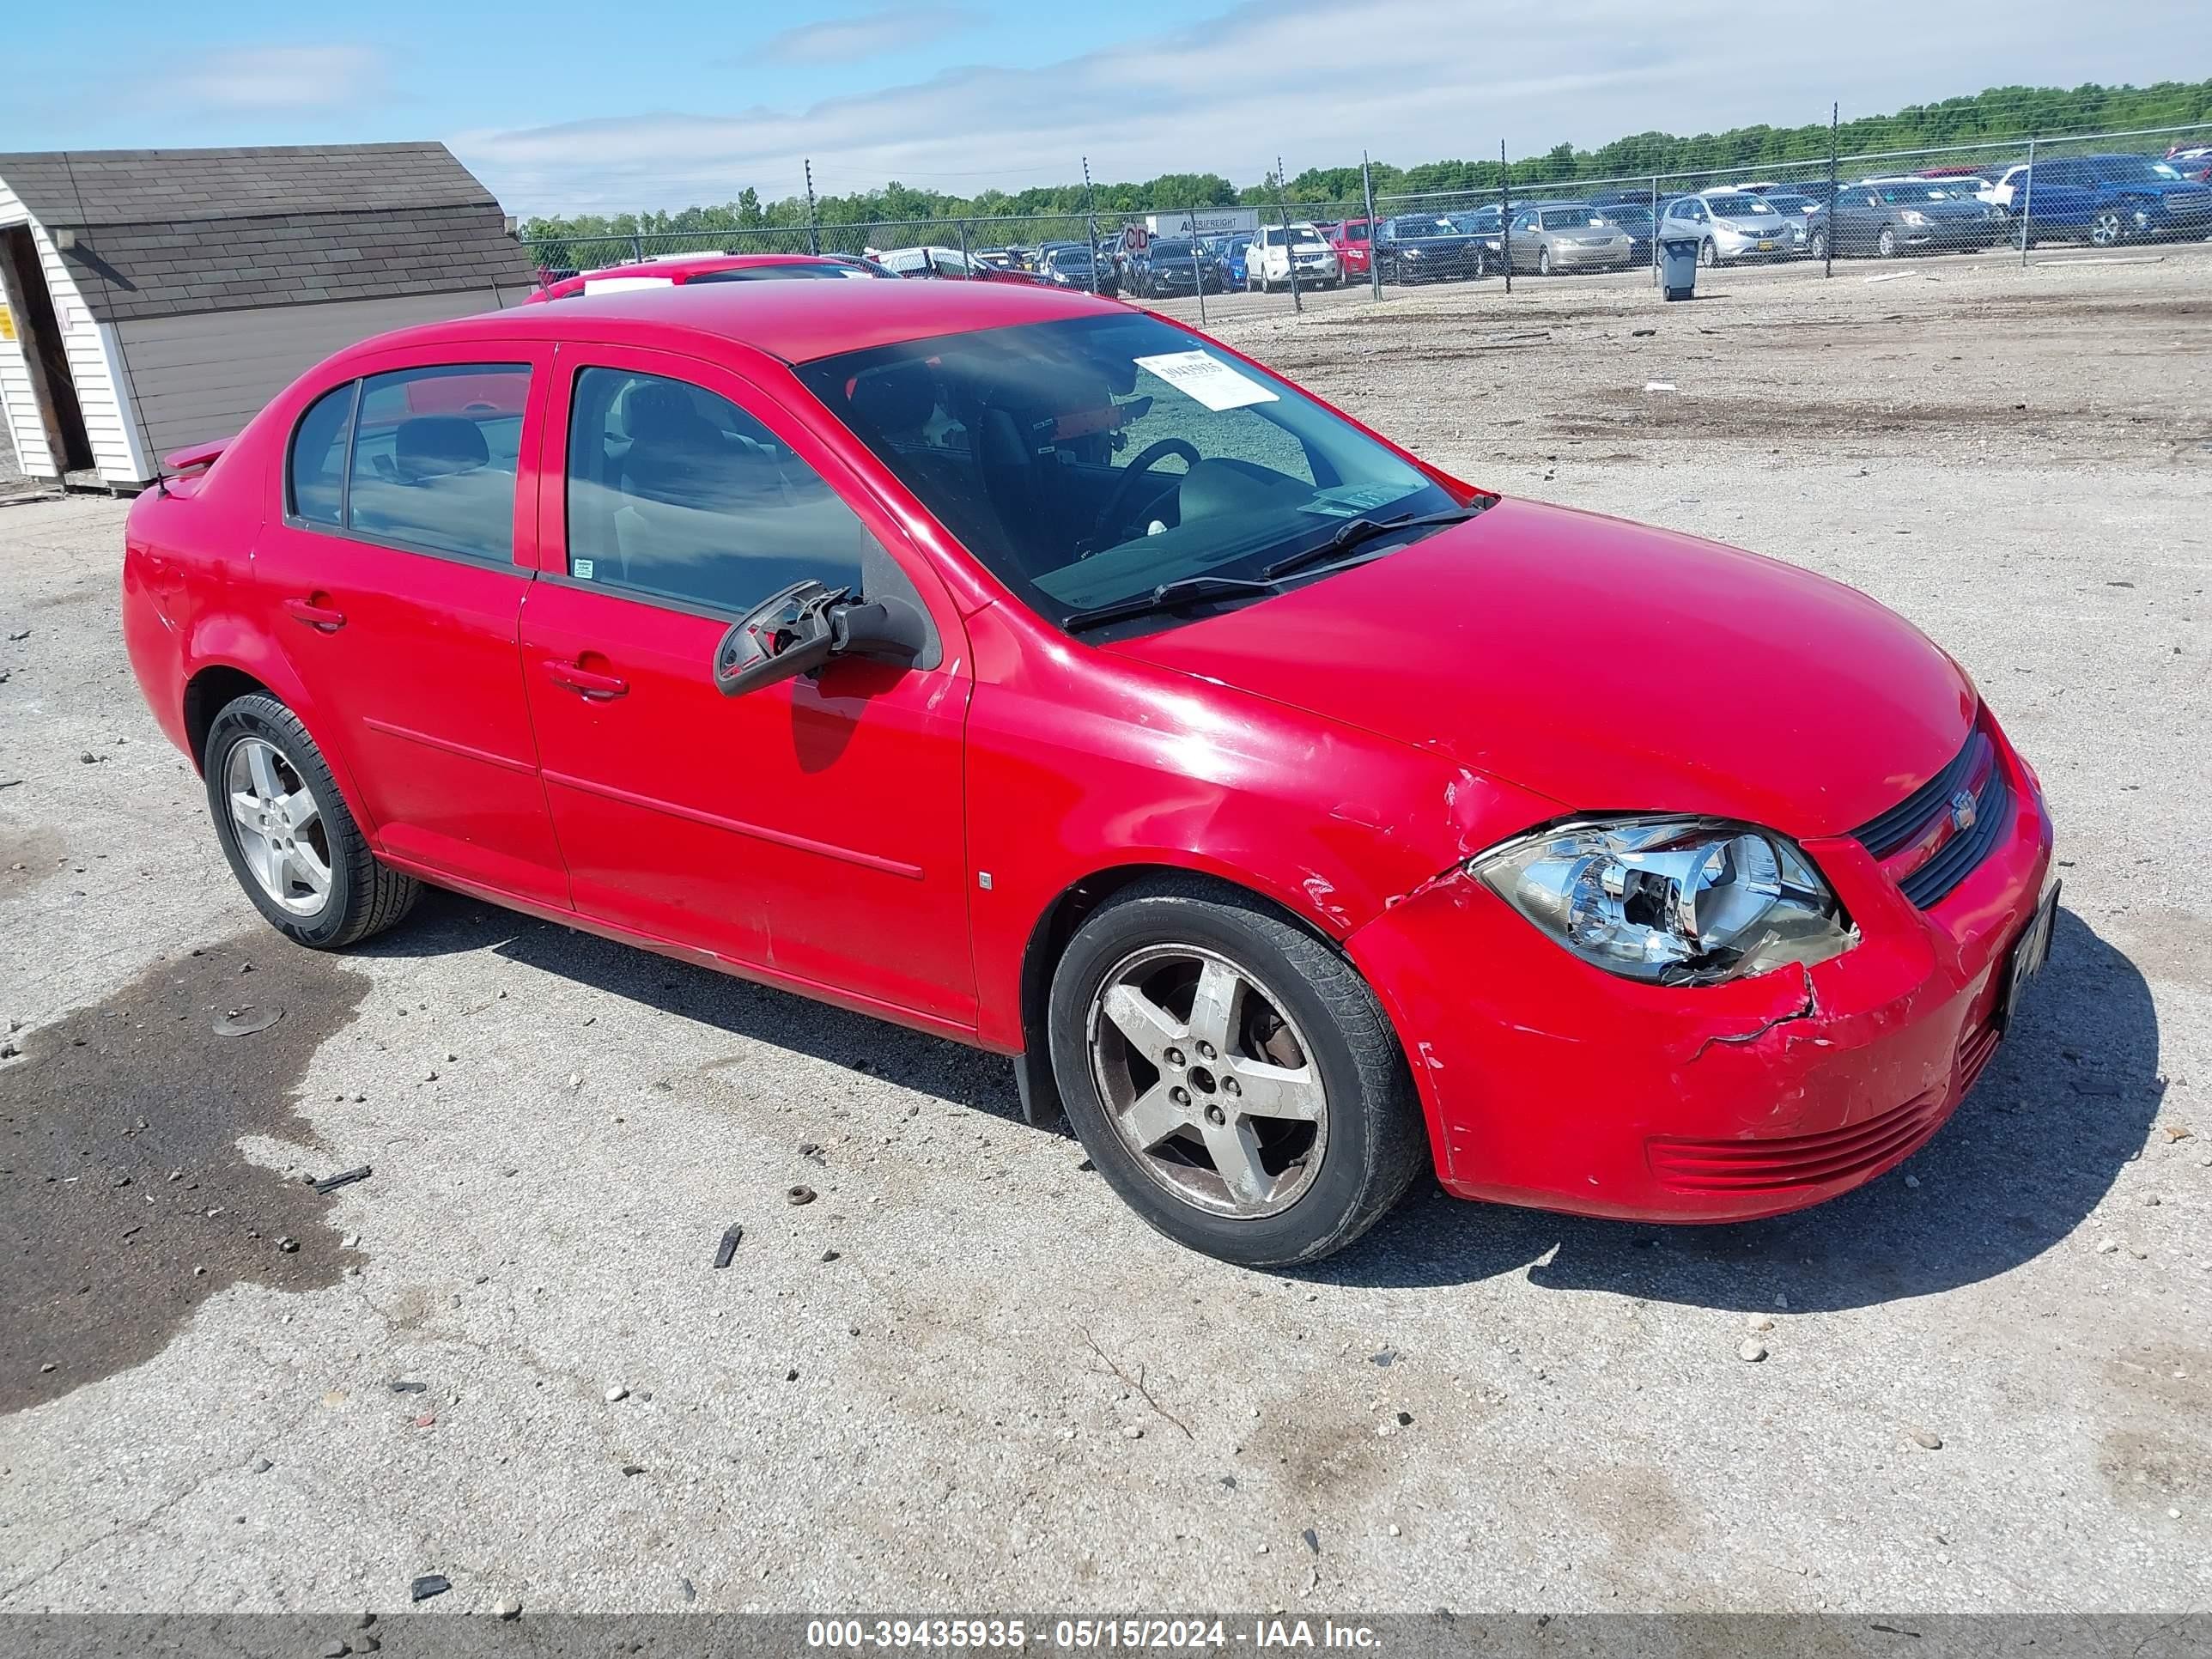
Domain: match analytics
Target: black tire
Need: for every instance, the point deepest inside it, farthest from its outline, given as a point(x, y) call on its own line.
point(364, 897)
point(1885, 244)
point(1543, 262)
point(1817, 248)
point(1377, 1144)
point(1708, 255)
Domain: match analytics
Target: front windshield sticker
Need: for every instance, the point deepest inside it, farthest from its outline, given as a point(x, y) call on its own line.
point(1207, 379)
point(1350, 501)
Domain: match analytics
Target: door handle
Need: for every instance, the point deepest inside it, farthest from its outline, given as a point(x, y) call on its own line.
point(583, 682)
point(315, 616)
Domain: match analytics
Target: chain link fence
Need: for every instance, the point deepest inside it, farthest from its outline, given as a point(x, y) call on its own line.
point(2007, 198)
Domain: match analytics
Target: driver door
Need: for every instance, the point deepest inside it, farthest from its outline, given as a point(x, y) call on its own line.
point(809, 832)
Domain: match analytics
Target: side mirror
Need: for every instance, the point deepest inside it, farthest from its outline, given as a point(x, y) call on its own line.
point(798, 631)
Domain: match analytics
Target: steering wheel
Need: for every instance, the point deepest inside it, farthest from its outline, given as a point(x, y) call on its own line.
point(1133, 475)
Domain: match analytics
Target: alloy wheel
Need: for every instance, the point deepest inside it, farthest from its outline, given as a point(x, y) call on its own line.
point(2108, 228)
point(279, 825)
point(1886, 244)
point(1708, 256)
point(1208, 1081)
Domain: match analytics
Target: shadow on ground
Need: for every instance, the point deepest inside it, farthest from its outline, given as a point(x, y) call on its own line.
point(2065, 1103)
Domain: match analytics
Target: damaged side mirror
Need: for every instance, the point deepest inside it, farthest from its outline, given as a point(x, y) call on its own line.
point(799, 629)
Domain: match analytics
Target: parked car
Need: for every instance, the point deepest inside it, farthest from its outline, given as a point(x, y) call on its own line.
point(872, 651)
point(1075, 265)
point(676, 271)
point(1427, 248)
point(1235, 261)
point(1885, 218)
point(1351, 241)
point(2191, 161)
point(2106, 200)
point(1809, 214)
point(1551, 237)
point(1634, 217)
point(1728, 226)
point(949, 263)
point(1172, 266)
point(1487, 226)
point(1276, 248)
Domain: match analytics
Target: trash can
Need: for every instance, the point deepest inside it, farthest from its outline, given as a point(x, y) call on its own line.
point(1678, 267)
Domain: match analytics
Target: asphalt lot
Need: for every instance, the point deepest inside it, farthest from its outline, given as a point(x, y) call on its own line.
point(1005, 1391)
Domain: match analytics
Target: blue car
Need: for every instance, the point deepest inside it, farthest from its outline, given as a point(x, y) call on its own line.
point(2110, 199)
point(1235, 274)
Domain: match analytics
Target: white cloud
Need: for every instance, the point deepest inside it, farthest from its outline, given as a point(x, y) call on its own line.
point(1315, 80)
point(870, 35)
point(276, 78)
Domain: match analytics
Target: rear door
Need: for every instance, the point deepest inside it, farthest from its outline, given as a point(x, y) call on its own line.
point(810, 830)
point(394, 578)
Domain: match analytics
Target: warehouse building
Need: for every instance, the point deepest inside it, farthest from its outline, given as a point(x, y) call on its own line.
point(154, 299)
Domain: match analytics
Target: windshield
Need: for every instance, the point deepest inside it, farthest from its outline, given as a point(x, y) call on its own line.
point(773, 274)
point(1071, 259)
point(1301, 236)
point(1737, 207)
point(1092, 459)
point(2131, 170)
point(1918, 193)
point(1182, 251)
point(1625, 213)
point(1568, 218)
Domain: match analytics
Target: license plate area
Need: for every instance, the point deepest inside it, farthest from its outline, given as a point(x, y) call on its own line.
point(2029, 952)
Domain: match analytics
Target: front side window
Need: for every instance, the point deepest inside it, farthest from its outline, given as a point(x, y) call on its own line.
point(429, 458)
point(678, 494)
point(1089, 460)
point(316, 481)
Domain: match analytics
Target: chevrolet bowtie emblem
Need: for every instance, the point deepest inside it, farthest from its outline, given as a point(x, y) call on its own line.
point(1962, 810)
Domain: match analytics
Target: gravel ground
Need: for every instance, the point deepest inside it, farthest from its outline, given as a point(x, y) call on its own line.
point(1987, 1382)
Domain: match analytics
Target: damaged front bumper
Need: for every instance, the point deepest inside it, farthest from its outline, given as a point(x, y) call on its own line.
point(1551, 1083)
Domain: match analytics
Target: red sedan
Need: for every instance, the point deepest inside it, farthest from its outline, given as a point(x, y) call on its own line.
point(1037, 672)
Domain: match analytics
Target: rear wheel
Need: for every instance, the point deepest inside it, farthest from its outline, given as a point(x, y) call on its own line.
point(291, 842)
point(1231, 1076)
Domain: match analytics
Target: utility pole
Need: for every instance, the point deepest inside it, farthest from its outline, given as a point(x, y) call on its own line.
point(1505, 214)
point(1367, 191)
point(1290, 256)
point(1090, 219)
point(813, 227)
point(1828, 229)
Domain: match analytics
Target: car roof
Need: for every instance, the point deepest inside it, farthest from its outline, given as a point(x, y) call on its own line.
point(797, 322)
point(674, 268)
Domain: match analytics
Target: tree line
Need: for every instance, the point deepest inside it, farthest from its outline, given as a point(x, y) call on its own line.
point(1999, 114)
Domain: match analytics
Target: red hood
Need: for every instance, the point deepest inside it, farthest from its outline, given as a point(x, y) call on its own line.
point(1610, 666)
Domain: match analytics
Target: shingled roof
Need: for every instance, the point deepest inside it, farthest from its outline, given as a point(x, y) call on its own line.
point(159, 231)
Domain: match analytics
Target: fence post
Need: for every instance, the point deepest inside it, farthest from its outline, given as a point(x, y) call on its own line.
point(813, 227)
point(1828, 230)
point(967, 265)
point(1655, 230)
point(1090, 221)
point(1367, 191)
point(2026, 203)
point(1197, 270)
point(1505, 214)
point(1290, 256)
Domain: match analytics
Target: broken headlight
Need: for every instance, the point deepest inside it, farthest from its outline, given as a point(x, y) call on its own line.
point(1672, 900)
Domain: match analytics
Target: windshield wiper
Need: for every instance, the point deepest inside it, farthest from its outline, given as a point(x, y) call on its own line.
point(1167, 595)
point(1353, 531)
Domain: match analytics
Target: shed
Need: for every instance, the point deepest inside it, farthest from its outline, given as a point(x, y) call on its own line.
point(157, 298)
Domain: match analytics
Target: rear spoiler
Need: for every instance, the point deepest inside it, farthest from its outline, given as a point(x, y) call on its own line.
point(188, 463)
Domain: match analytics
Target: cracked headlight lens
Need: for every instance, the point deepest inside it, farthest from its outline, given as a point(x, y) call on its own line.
point(1675, 900)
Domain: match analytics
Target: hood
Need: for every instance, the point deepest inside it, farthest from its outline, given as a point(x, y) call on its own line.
point(1609, 666)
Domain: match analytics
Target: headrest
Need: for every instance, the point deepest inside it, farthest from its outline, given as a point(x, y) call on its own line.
point(432, 446)
point(898, 397)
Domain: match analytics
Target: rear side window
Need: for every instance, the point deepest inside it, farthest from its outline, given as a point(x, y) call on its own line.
point(316, 484)
point(678, 494)
point(434, 458)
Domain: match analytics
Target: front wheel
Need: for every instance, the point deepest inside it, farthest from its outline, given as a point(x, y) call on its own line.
point(1817, 248)
point(2110, 228)
point(1708, 256)
point(1230, 1075)
point(291, 842)
point(1543, 262)
point(1886, 244)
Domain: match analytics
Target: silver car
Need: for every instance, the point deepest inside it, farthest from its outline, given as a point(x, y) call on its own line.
point(1728, 225)
point(1553, 236)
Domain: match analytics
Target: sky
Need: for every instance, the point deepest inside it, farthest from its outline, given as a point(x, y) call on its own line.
point(568, 106)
